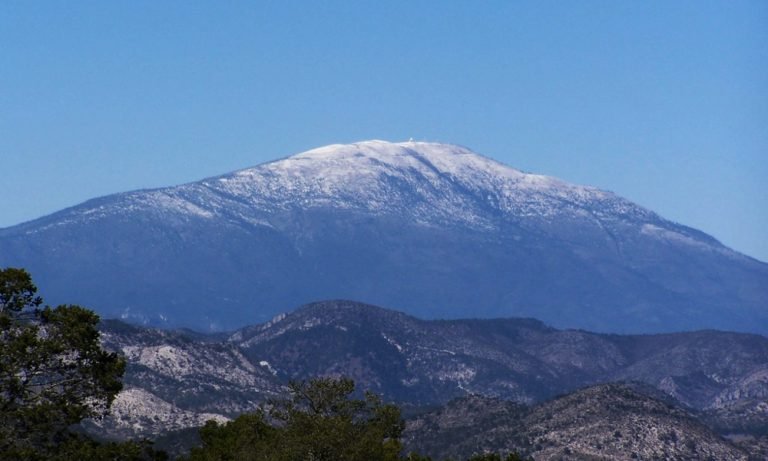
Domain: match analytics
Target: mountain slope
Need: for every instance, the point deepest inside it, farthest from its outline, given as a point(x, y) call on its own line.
point(420, 361)
point(605, 422)
point(175, 379)
point(432, 229)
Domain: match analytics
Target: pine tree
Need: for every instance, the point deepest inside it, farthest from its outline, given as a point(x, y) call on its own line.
point(53, 371)
point(320, 421)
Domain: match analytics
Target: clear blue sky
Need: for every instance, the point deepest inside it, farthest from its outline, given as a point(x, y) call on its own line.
point(663, 102)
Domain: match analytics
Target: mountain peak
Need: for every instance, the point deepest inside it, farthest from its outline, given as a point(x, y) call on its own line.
point(438, 183)
point(428, 228)
point(421, 156)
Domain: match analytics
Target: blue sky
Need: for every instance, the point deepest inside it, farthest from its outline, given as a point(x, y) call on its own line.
point(663, 102)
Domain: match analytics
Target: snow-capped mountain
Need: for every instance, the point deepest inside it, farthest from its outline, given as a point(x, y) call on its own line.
point(432, 229)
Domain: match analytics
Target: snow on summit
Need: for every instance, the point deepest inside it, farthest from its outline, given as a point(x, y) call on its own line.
point(434, 182)
point(431, 183)
point(432, 160)
point(428, 227)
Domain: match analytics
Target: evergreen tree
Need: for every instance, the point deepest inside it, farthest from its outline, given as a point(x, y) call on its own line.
point(247, 438)
point(320, 421)
point(496, 457)
point(53, 374)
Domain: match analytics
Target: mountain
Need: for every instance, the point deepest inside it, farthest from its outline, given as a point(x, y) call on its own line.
point(181, 378)
point(605, 422)
point(407, 359)
point(432, 229)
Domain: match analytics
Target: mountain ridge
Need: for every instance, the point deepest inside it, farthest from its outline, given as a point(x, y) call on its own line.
point(605, 421)
point(562, 357)
point(176, 379)
point(432, 229)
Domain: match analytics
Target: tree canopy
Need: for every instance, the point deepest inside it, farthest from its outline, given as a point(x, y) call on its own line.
point(319, 421)
point(53, 374)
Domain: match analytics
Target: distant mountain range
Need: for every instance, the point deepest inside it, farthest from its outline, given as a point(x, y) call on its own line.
point(180, 379)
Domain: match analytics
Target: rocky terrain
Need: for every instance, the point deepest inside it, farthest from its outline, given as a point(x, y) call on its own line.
point(435, 230)
point(177, 379)
point(425, 361)
point(605, 422)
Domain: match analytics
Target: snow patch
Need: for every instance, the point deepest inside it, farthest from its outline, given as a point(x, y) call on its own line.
point(266, 365)
point(310, 323)
point(166, 200)
point(392, 342)
point(671, 236)
point(460, 373)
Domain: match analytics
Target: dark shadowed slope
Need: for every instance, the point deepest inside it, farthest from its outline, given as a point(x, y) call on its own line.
point(408, 359)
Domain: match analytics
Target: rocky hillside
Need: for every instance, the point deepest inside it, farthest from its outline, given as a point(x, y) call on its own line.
point(424, 361)
point(176, 379)
point(433, 229)
point(605, 422)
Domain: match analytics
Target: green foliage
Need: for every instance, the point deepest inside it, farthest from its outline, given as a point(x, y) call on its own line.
point(247, 438)
point(320, 422)
point(53, 374)
point(84, 449)
point(496, 457)
point(416, 457)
